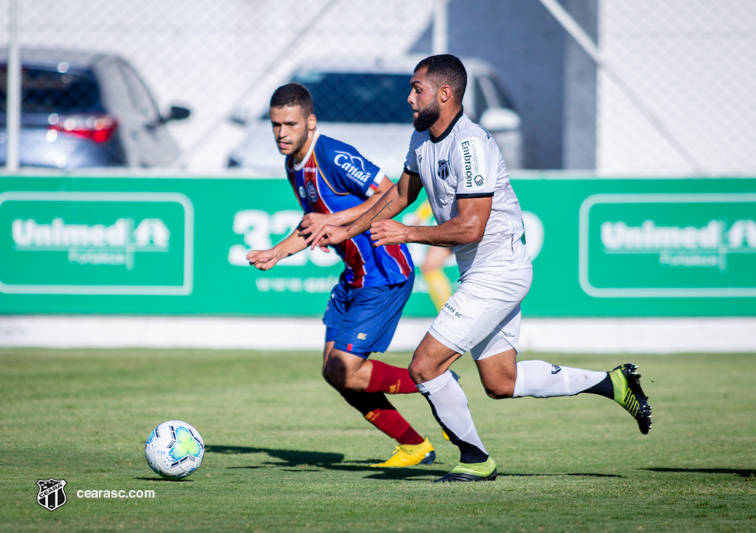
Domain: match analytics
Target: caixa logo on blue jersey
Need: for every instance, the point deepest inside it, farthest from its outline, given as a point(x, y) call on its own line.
point(353, 165)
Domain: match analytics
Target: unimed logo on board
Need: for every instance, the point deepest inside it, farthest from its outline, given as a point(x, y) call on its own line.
point(93, 244)
point(96, 243)
point(668, 245)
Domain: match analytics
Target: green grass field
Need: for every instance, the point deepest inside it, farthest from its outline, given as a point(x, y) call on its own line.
point(285, 453)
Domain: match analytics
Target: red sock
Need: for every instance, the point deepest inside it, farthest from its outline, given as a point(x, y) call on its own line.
point(377, 410)
point(394, 425)
point(390, 379)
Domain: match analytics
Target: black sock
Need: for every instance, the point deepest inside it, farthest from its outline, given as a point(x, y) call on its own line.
point(603, 388)
point(365, 402)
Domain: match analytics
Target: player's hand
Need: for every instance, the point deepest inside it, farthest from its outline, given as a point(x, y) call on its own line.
point(387, 232)
point(313, 222)
point(328, 235)
point(263, 259)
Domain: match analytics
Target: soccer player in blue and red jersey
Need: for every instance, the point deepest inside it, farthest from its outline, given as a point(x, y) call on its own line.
point(335, 185)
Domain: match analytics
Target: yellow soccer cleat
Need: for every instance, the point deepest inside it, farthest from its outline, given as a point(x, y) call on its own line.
point(485, 471)
point(628, 393)
point(410, 455)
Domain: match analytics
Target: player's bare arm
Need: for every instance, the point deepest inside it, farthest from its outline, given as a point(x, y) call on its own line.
point(467, 227)
point(390, 204)
point(267, 259)
point(312, 222)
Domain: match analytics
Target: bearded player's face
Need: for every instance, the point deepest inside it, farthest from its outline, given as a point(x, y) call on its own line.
point(422, 99)
point(291, 130)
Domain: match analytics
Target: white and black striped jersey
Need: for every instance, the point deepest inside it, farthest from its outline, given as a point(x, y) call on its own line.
point(465, 162)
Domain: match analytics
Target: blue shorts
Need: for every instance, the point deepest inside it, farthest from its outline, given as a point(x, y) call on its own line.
point(362, 321)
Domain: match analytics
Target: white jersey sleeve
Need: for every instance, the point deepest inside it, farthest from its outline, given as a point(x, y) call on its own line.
point(411, 163)
point(474, 166)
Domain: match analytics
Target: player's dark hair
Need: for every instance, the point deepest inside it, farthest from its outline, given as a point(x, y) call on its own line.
point(446, 69)
point(291, 95)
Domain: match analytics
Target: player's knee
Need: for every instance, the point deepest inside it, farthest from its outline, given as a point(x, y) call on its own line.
point(326, 375)
point(499, 390)
point(421, 371)
point(415, 373)
point(335, 374)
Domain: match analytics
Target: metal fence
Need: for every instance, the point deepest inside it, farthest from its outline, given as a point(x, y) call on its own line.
point(692, 65)
point(667, 90)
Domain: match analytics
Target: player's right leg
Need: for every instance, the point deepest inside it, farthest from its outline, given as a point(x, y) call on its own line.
point(468, 318)
point(430, 370)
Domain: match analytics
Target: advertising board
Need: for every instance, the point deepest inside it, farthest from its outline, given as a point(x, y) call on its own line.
point(177, 246)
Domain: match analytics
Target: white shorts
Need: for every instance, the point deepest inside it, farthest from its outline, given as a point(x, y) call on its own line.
point(483, 314)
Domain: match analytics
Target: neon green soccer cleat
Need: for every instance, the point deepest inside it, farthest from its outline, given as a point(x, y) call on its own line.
point(411, 455)
point(485, 471)
point(628, 393)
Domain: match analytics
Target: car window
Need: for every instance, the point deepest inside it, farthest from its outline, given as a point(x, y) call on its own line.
point(479, 100)
point(498, 91)
point(139, 95)
point(358, 97)
point(50, 91)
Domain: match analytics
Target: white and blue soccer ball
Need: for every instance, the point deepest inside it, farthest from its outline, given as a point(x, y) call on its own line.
point(174, 449)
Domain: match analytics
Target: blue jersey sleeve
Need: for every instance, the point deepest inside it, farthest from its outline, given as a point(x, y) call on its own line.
point(345, 169)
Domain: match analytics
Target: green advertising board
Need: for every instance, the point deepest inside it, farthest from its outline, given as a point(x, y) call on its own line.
point(104, 243)
point(668, 245)
point(177, 246)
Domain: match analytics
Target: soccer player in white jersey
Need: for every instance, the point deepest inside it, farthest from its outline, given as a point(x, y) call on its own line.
point(479, 217)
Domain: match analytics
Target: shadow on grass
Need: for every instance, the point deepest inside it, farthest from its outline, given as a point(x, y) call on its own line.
point(329, 461)
point(164, 479)
point(738, 472)
point(290, 457)
point(335, 461)
point(575, 474)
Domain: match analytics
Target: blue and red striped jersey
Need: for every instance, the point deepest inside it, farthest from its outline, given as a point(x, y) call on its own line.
point(333, 177)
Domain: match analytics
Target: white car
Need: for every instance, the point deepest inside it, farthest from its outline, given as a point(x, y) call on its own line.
point(365, 105)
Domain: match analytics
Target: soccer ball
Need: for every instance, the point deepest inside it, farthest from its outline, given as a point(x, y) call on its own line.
point(174, 449)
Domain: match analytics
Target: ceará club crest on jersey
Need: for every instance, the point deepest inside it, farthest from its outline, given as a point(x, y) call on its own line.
point(51, 494)
point(443, 169)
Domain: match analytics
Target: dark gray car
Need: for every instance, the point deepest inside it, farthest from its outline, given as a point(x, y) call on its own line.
point(83, 110)
point(365, 104)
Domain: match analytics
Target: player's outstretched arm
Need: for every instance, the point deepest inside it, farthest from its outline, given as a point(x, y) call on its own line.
point(467, 227)
point(267, 259)
point(388, 205)
point(312, 222)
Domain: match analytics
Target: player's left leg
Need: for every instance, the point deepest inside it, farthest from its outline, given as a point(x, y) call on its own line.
point(360, 322)
point(503, 377)
point(350, 374)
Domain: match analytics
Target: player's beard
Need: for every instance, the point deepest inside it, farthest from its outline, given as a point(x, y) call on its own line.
point(428, 116)
point(297, 143)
